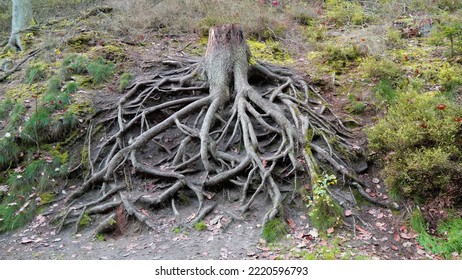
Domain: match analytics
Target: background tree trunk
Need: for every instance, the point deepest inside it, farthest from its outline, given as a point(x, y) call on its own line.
point(22, 16)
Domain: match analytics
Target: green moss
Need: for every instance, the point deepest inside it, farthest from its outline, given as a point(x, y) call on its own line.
point(85, 221)
point(274, 230)
point(108, 52)
point(269, 51)
point(47, 197)
point(22, 92)
point(380, 68)
point(200, 226)
point(82, 42)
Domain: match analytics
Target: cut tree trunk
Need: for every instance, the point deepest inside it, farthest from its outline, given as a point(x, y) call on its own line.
point(222, 121)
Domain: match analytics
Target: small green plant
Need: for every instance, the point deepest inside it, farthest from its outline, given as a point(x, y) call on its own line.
point(16, 116)
point(36, 127)
point(85, 221)
point(100, 237)
point(324, 212)
point(5, 108)
point(274, 230)
point(177, 230)
point(100, 70)
point(35, 72)
point(124, 81)
point(9, 151)
point(200, 226)
point(356, 106)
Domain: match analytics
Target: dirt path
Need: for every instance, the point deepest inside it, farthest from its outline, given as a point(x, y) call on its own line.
point(382, 236)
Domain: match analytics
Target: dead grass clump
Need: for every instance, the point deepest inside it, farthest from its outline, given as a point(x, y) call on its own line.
point(185, 16)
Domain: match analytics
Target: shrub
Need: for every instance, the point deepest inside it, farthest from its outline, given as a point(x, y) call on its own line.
point(420, 139)
point(36, 127)
point(381, 68)
point(341, 55)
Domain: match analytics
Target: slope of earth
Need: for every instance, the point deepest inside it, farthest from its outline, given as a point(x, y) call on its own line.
point(367, 232)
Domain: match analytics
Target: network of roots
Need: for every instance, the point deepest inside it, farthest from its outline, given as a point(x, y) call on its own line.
point(203, 125)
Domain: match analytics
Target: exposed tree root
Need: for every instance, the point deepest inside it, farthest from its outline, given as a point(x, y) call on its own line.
point(225, 120)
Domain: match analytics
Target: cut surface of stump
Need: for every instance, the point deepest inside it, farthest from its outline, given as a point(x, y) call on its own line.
point(224, 121)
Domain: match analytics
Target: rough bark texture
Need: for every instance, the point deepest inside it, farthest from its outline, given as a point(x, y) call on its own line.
point(22, 17)
point(203, 125)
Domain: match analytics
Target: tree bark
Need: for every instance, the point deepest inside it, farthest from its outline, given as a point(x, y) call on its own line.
point(22, 17)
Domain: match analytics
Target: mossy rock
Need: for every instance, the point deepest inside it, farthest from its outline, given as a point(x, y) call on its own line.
point(109, 52)
point(82, 42)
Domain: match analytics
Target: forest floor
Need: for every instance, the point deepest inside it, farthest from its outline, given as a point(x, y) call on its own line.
point(367, 232)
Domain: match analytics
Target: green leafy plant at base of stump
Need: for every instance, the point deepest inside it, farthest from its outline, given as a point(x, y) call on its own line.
point(324, 212)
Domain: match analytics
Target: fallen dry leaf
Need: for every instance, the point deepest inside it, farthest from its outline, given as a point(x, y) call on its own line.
point(348, 213)
point(396, 236)
point(330, 230)
point(404, 235)
point(291, 223)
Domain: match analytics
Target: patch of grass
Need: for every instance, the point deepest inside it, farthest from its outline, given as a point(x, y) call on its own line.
point(200, 226)
point(36, 127)
point(35, 72)
point(274, 230)
point(356, 106)
point(5, 107)
point(16, 116)
point(100, 70)
point(449, 239)
point(9, 151)
point(385, 91)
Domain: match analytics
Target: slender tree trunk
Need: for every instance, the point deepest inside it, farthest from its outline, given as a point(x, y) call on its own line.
point(22, 16)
